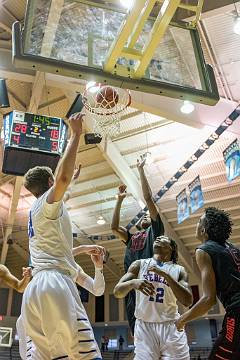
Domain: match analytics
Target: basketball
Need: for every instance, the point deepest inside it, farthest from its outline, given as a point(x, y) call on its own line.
point(107, 97)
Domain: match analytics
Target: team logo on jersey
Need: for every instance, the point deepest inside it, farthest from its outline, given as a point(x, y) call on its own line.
point(30, 226)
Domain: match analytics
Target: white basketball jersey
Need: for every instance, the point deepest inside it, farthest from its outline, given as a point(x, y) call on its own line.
point(163, 305)
point(51, 241)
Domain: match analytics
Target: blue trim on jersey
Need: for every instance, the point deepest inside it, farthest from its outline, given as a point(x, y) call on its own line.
point(30, 226)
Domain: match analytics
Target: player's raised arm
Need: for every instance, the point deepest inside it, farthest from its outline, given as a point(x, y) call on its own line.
point(147, 192)
point(129, 281)
point(116, 229)
point(66, 168)
point(10, 280)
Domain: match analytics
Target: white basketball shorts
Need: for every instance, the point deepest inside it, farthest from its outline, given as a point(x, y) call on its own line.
point(54, 322)
point(154, 341)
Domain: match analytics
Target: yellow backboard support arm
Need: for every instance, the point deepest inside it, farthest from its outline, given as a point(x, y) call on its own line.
point(130, 31)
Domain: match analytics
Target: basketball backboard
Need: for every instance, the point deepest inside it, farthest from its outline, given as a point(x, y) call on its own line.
point(5, 337)
point(137, 49)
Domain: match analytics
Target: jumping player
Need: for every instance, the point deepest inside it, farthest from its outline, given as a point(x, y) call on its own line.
point(7, 278)
point(96, 286)
point(52, 313)
point(140, 244)
point(219, 264)
point(159, 283)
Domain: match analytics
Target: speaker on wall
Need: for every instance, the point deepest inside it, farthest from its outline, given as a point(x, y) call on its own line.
point(4, 101)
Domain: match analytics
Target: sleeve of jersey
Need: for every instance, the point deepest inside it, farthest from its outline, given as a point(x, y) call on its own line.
point(95, 286)
point(157, 226)
point(51, 211)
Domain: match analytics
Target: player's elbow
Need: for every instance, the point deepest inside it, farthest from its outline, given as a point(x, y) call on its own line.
point(100, 291)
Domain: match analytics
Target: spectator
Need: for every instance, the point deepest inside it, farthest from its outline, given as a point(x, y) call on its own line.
point(121, 341)
point(106, 342)
point(103, 343)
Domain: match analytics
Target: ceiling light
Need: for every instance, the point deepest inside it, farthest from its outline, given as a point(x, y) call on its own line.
point(187, 107)
point(236, 28)
point(101, 221)
point(92, 87)
point(128, 4)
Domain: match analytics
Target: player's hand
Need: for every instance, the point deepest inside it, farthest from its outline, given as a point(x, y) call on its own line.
point(180, 324)
point(76, 123)
point(141, 162)
point(157, 270)
point(122, 191)
point(97, 260)
point(146, 287)
point(27, 272)
point(94, 250)
point(77, 172)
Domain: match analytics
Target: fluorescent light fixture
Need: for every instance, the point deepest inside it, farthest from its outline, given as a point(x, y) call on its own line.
point(187, 107)
point(101, 221)
point(236, 27)
point(128, 4)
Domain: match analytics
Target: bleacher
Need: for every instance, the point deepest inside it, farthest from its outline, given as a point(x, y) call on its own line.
point(203, 352)
point(10, 353)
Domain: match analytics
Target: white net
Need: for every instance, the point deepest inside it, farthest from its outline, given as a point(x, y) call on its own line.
point(106, 105)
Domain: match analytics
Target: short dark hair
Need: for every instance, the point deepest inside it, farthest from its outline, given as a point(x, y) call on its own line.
point(174, 255)
point(217, 224)
point(36, 180)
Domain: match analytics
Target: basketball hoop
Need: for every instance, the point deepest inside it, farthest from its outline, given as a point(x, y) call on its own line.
point(106, 105)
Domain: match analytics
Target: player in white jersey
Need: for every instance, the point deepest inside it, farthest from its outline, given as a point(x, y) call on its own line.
point(96, 286)
point(52, 313)
point(159, 283)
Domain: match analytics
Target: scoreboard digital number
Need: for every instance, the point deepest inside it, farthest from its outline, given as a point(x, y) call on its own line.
point(35, 132)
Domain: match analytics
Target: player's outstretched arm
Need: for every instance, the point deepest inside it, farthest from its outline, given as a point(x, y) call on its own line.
point(97, 285)
point(66, 168)
point(116, 229)
point(129, 282)
point(76, 174)
point(208, 298)
point(180, 288)
point(10, 280)
point(89, 250)
point(147, 192)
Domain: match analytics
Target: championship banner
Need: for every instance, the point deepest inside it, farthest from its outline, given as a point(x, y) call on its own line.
point(232, 160)
point(196, 195)
point(182, 206)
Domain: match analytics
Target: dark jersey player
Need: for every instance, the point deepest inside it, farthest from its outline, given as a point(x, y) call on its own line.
point(219, 264)
point(140, 244)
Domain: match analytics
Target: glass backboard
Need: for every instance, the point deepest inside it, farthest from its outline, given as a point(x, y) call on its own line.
point(76, 36)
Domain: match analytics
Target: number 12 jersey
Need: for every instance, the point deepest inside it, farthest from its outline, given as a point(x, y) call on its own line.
point(163, 305)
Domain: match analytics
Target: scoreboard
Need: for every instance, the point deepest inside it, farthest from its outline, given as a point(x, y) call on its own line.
point(34, 132)
point(39, 135)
